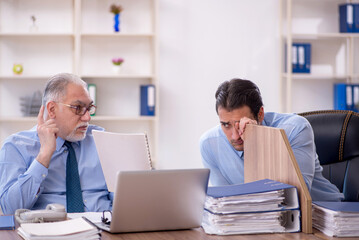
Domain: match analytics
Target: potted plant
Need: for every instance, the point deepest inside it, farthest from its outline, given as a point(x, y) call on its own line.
point(116, 64)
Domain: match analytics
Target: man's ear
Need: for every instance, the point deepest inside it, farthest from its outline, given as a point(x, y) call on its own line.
point(260, 115)
point(51, 107)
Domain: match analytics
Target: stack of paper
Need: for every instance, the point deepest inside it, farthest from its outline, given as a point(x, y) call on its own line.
point(338, 219)
point(71, 229)
point(263, 206)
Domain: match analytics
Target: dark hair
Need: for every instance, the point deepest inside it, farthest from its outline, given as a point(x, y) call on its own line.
point(237, 93)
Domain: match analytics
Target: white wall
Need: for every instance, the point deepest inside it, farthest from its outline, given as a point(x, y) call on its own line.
point(201, 44)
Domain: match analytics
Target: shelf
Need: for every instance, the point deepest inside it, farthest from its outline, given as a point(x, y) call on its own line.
point(36, 34)
point(117, 35)
point(303, 76)
point(94, 118)
point(77, 36)
point(321, 36)
point(117, 118)
point(20, 77)
point(120, 76)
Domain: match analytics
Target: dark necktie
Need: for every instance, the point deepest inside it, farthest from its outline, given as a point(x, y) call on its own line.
point(74, 199)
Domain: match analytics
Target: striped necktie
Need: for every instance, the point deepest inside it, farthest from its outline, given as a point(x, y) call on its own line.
point(74, 199)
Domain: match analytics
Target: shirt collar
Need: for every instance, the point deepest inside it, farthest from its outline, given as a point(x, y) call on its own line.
point(59, 143)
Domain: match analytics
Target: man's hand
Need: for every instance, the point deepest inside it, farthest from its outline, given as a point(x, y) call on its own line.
point(241, 125)
point(47, 131)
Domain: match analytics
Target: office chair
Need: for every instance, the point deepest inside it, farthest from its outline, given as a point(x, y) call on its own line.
point(336, 136)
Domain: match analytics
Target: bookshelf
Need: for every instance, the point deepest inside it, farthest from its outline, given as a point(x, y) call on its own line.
point(333, 56)
point(77, 36)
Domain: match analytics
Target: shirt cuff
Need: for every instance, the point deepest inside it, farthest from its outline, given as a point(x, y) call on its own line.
point(38, 171)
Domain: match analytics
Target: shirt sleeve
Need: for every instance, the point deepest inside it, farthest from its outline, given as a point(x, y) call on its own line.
point(216, 177)
point(301, 140)
point(20, 183)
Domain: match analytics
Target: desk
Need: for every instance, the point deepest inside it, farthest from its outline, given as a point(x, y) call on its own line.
point(197, 234)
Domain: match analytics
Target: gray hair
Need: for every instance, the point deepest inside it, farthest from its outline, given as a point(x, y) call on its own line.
point(55, 88)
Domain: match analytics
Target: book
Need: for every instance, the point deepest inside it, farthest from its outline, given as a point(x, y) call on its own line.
point(147, 100)
point(336, 219)
point(70, 229)
point(262, 206)
point(7, 223)
point(121, 152)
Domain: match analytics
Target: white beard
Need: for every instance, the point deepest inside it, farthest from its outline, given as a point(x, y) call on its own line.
point(75, 137)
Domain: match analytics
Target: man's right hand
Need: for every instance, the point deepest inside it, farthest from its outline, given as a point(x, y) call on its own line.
point(47, 132)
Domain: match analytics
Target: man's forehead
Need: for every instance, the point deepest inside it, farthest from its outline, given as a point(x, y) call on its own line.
point(77, 93)
point(235, 114)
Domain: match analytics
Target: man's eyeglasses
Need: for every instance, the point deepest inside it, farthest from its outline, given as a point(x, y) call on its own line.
point(80, 110)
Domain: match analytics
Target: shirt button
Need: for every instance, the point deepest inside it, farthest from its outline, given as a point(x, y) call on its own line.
point(43, 175)
point(85, 200)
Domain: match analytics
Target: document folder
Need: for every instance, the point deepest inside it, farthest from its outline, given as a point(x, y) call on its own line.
point(339, 219)
point(263, 206)
point(148, 100)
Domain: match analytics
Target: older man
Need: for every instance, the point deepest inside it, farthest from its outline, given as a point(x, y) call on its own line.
point(56, 161)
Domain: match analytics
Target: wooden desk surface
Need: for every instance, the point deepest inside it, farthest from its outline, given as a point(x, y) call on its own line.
point(197, 234)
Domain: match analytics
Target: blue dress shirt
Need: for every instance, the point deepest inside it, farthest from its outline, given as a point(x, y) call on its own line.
point(26, 183)
point(227, 164)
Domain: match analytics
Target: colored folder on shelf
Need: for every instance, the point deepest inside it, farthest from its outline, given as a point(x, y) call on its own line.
point(301, 57)
point(148, 100)
point(346, 97)
point(262, 206)
point(346, 18)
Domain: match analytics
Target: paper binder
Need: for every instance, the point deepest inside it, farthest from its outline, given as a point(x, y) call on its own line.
point(346, 97)
point(301, 57)
point(339, 219)
point(256, 207)
point(290, 200)
point(148, 100)
point(346, 18)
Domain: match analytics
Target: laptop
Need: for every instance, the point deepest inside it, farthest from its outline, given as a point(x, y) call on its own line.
point(121, 152)
point(157, 200)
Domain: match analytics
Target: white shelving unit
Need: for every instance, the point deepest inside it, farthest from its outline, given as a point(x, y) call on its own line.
point(333, 58)
point(77, 36)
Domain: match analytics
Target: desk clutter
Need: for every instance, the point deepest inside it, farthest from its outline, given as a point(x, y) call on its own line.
point(77, 228)
point(336, 219)
point(263, 206)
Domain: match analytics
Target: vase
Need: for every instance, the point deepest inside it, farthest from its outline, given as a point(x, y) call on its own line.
point(116, 25)
point(116, 69)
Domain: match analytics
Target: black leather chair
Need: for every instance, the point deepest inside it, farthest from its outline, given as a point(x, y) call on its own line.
point(336, 136)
